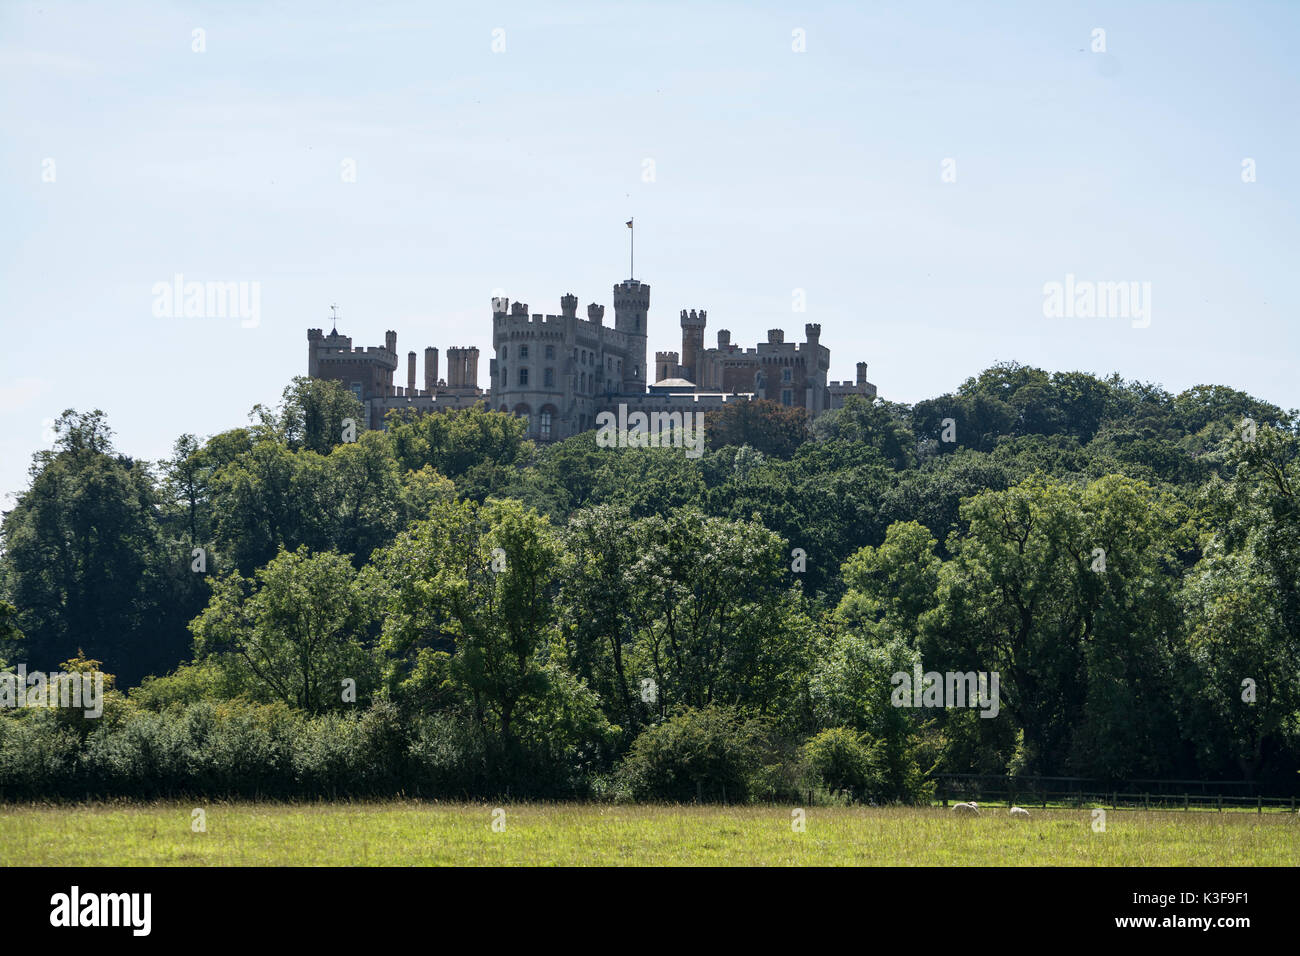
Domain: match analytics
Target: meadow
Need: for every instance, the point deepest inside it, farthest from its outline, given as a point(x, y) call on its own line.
point(409, 833)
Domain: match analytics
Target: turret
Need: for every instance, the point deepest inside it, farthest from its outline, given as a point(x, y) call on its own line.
point(390, 341)
point(314, 339)
point(862, 373)
point(812, 333)
point(596, 313)
point(693, 341)
point(569, 306)
point(410, 373)
point(631, 306)
point(666, 365)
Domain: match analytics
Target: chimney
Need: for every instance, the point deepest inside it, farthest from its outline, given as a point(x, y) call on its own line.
point(471, 363)
point(430, 370)
point(455, 364)
point(410, 373)
point(862, 373)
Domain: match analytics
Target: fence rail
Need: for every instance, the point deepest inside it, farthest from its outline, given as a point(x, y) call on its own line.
point(1121, 795)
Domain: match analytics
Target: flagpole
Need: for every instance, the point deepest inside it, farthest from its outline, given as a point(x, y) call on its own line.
point(631, 264)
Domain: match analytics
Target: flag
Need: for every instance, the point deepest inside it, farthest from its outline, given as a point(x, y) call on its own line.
point(629, 223)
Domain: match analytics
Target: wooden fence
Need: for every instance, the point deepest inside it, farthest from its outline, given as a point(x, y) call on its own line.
point(1081, 792)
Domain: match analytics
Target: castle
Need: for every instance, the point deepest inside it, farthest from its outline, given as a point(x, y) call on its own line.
point(558, 372)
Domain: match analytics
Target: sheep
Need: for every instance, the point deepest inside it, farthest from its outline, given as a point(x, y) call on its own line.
point(1019, 812)
point(966, 809)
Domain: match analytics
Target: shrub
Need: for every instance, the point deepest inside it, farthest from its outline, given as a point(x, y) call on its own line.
point(841, 759)
point(707, 753)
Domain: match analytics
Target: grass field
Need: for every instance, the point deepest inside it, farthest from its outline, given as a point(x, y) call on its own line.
point(410, 833)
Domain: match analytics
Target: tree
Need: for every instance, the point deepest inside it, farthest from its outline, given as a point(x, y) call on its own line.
point(296, 629)
point(456, 441)
point(477, 582)
point(880, 424)
point(1069, 594)
point(313, 414)
point(713, 613)
point(83, 553)
point(773, 429)
point(894, 584)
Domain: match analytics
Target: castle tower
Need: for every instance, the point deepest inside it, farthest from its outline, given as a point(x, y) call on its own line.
point(569, 306)
point(666, 365)
point(314, 339)
point(410, 373)
point(693, 342)
point(631, 306)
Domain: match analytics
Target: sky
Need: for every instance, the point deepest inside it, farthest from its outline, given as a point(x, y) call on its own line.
point(914, 174)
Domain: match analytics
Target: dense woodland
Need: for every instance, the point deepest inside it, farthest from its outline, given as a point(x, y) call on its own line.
point(444, 609)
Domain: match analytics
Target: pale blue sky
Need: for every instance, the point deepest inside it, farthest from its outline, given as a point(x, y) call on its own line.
point(775, 170)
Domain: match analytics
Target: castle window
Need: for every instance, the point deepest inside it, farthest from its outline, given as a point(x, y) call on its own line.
point(550, 351)
point(786, 374)
point(505, 349)
point(787, 397)
point(523, 351)
point(545, 424)
point(356, 390)
point(523, 376)
point(548, 377)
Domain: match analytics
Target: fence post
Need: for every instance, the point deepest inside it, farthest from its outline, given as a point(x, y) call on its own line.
point(1187, 802)
point(1220, 803)
point(1146, 800)
point(1260, 802)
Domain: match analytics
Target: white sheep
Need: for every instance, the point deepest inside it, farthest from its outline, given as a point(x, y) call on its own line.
point(1019, 812)
point(966, 809)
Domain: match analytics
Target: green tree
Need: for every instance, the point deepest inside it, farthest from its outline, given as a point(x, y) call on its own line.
point(295, 631)
point(82, 553)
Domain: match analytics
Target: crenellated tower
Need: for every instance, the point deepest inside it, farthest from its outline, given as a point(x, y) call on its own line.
point(693, 343)
point(631, 306)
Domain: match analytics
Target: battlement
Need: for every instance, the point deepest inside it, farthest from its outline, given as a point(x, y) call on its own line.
point(694, 318)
